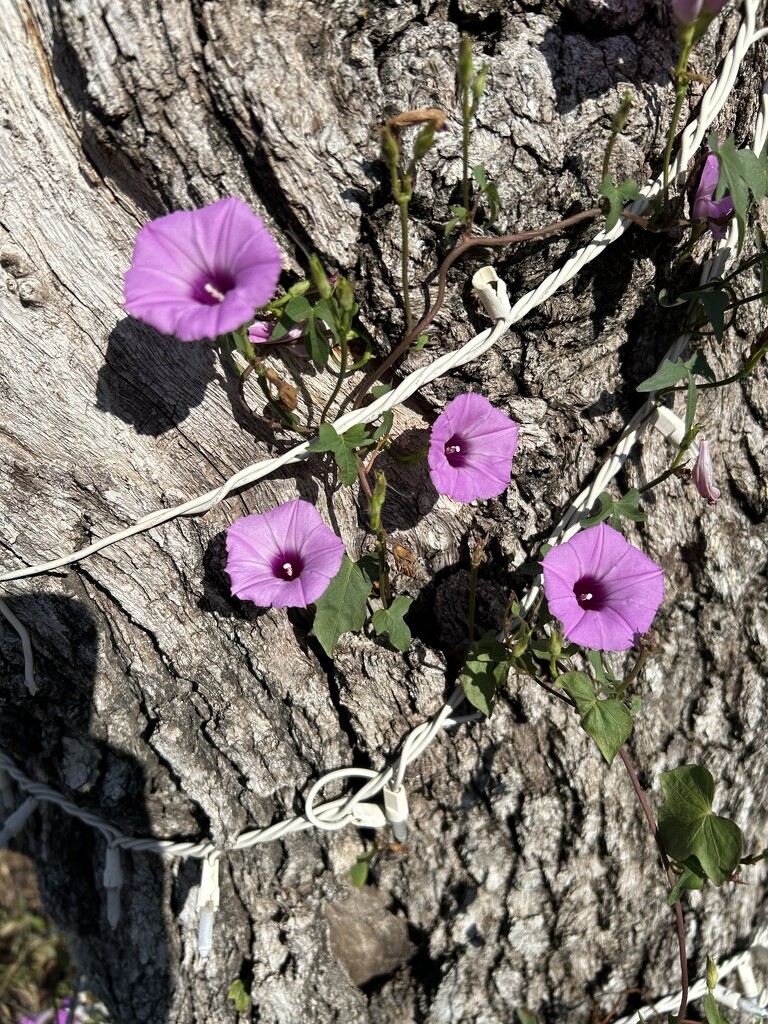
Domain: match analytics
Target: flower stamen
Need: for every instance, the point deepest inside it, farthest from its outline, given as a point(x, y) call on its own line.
point(213, 291)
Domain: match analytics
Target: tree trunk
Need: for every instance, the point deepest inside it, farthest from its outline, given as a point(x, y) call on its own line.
point(170, 708)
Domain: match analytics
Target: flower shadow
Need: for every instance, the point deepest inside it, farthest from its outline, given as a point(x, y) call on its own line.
point(410, 491)
point(152, 381)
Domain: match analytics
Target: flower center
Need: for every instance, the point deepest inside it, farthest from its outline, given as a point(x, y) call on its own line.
point(287, 566)
point(590, 594)
point(456, 451)
point(212, 289)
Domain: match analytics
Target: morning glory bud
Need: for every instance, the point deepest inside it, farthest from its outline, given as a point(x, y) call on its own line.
point(703, 476)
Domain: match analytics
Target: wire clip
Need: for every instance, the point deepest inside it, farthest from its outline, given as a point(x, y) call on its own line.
point(207, 903)
point(396, 810)
point(113, 881)
point(16, 821)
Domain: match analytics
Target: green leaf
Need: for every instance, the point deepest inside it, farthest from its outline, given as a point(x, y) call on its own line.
point(606, 510)
point(342, 608)
point(526, 1017)
point(358, 873)
point(617, 196)
point(742, 173)
point(385, 427)
point(667, 375)
point(295, 311)
point(712, 1012)
point(316, 343)
point(421, 341)
point(689, 828)
point(343, 447)
point(608, 722)
point(715, 304)
point(391, 621)
point(328, 440)
point(698, 364)
point(628, 507)
point(239, 996)
point(478, 173)
point(690, 879)
point(485, 670)
point(380, 389)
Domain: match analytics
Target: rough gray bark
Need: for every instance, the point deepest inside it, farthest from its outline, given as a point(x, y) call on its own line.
point(176, 710)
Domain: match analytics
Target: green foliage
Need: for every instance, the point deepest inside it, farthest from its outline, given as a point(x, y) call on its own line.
point(712, 1011)
point(608, 722)
point(742, 173)
point(392, 622)
point(526, 1017)
point(489, 190)
point(343, 448)
point(342, 608)
point(669, 374)
point(239, 996)
point(617, 196)
point(626, 507)
point(715, 301)
point(460, 215)
point(689, 828)
point(691, 878)
point(485, 671)
point(358, 873)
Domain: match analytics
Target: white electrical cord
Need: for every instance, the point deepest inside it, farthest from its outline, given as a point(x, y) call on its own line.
point(356, 809)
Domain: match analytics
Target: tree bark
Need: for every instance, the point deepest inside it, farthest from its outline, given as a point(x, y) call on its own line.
point(173, 709)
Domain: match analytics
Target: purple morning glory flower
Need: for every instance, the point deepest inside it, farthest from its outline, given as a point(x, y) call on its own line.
point(284, 558)
point(704, 477)
point(687, 11)
point(202, 273)
point(704, 207)
point(604, 591)
point(471, 449)
point(260, 333)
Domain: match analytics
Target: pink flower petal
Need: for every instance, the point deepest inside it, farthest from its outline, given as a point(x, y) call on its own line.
point(605, 592)
point(284, 558)
point(202, 273)
point(471, 449)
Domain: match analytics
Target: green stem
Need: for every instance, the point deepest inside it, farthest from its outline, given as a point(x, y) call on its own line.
point(403, 204)
point(466, 114)
point(667, 472)
point(463, 246)
point(474, 566)
point(681, 90)
point(344, 347)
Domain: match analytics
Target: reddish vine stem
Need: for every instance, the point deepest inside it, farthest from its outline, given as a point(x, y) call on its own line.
point(670, 878)
point(464, 245)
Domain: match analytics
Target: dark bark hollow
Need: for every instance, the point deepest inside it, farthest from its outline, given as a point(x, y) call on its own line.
point(175, 710)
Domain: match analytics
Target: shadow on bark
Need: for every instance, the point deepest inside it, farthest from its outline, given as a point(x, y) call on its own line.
point(152, 381)
point(51, 736)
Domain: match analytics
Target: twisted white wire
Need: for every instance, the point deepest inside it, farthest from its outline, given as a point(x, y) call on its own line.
point(341, 811)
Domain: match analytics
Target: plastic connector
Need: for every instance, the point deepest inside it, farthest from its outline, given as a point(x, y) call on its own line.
point(368, 816)
point(207, 904)
point(113, 881)
point(396, 810)
point(16, 821)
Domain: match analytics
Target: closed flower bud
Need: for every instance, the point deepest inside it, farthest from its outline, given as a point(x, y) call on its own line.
point(319, 277)
point(703, 476)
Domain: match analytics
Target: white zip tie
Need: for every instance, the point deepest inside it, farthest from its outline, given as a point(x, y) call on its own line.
point(113, 882)
point(396, 810)
point(15, 822)
point(207, 903)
